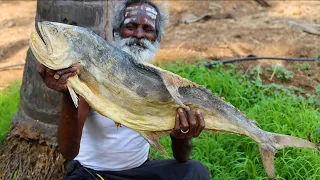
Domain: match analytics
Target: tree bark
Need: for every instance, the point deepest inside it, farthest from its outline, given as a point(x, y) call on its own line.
point(34, 127)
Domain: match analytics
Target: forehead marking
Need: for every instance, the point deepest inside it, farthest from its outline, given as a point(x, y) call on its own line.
point(132, 7)
point(138, 12)
point(145, 9)
point(131, 13)
point(152, 10)
point(128, 20)
point(152, 15)
point(143, 20)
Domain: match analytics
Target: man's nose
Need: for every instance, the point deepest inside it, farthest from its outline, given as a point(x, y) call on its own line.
point(139, 33)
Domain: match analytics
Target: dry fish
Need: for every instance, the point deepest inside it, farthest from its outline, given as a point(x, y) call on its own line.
point(141, 96)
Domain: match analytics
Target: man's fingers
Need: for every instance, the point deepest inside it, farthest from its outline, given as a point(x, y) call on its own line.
point(50, 72)
point(42, 71)
point(201, 123)
point(63, 78)
point(192, 121)
point(189, 122)
point(184, 125)
point(176, 129)
point(67, 70)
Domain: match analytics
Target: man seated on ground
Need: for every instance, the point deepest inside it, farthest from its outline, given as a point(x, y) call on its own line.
point(96, 147)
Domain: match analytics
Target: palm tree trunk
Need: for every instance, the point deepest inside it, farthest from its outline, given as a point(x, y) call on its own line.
point(30, 151)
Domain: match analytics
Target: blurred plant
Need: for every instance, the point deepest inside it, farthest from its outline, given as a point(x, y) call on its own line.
point(301, 66)
point(256, 71)
point(280, 72)
point(317, 88)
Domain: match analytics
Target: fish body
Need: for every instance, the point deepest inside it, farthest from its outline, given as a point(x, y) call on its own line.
point(141, 96)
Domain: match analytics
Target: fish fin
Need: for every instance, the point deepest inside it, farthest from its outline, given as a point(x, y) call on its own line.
point(73, 95)
point(279, 141)
point(253, 122)
point(173, 82)
point(153, 138)
point(284, 141)
point(268, 161)
point(118, 125)
point(173, 88)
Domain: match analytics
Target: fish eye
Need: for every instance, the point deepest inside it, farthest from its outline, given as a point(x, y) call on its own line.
point(53, 31)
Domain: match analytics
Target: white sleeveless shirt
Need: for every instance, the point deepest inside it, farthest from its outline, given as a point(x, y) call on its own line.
point(104, 147)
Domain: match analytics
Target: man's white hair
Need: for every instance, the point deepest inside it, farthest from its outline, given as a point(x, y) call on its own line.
point(161, 21)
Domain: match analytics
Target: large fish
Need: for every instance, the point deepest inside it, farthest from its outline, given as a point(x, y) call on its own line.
point(141, 96)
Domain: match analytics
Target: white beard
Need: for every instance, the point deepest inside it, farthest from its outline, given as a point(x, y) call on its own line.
point(140, 49)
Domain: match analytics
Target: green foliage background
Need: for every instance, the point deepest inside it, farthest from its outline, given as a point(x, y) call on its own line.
point(9, 102)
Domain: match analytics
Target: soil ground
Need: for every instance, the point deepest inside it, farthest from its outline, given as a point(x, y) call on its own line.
point(251, 30)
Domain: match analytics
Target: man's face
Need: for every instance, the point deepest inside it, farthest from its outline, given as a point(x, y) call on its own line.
point(138, 35)
point(139, 22)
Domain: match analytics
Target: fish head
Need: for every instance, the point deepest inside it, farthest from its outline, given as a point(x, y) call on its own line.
point(54, 45)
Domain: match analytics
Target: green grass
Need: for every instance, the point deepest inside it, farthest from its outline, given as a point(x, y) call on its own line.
point(9, 102)
point(275, 108)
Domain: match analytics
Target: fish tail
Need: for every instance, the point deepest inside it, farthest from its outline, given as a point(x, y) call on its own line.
point(279, 141)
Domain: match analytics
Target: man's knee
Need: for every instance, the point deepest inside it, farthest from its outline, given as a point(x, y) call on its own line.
point(200, 169)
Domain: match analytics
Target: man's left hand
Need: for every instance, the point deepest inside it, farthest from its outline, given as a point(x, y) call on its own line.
point(187, 124)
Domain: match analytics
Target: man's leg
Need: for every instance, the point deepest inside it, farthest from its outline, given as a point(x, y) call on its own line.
point(162, 170)
point(77, 171)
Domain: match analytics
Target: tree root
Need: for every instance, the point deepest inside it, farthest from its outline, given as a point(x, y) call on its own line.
point(27, 159)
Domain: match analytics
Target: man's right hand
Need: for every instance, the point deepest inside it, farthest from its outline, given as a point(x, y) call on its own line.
point(57, 80)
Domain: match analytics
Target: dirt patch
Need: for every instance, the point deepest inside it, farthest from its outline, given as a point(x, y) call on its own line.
point(16, 20)
point(251, 30)
point(300, 75)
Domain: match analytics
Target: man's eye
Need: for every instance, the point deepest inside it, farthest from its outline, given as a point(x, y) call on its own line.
point(130, 27)
point(148, 29)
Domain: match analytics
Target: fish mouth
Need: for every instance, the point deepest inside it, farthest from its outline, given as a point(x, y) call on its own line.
point(37, 44)
point(40, 40)
point(40, 44)
point(44, 37)
point(39, 32)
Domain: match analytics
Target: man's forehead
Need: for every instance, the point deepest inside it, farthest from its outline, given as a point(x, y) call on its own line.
point(138, 12)
point(142, 9)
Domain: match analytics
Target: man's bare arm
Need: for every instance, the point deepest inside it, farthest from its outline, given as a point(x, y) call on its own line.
point(71, 119)
point(187, 126)
point(70, 127)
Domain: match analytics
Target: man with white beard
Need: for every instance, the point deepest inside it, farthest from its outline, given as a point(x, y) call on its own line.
point(141, 49)
point(135, 31)
point(96, 147)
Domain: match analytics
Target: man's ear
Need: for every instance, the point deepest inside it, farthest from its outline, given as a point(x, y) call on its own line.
point(113, 34)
